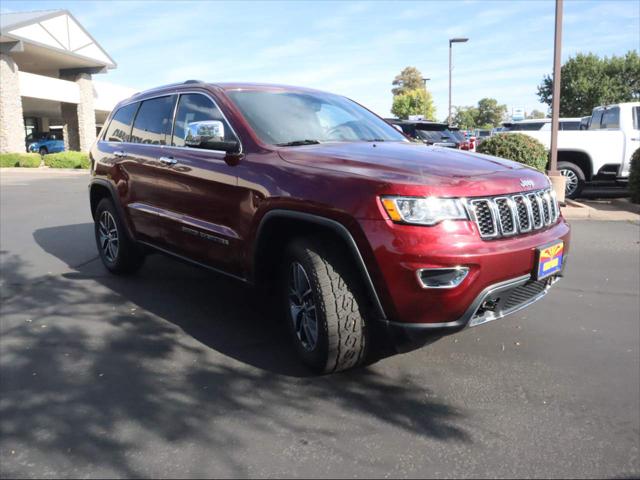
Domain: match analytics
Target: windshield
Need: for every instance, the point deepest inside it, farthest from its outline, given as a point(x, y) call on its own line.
point(299, 118)
point(431, 135)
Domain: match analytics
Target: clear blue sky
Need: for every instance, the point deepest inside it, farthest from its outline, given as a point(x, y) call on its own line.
point(351, 48)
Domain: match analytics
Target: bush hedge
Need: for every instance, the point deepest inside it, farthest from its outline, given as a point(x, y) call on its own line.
point(517, 147)
point(634, 177)
point(67, 160)
point(26, 160)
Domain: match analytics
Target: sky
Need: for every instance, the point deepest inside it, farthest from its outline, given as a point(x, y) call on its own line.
point(352, 48)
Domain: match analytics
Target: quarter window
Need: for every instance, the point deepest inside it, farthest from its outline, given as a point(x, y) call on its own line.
point(153, 121)
point(120, 126)
point(193, 107)
point(636, 118)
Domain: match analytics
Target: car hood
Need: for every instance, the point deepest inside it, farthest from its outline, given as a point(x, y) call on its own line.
point(415, 164)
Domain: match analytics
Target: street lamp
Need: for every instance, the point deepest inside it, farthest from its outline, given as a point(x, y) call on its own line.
point(425, 80)
point(451, 42)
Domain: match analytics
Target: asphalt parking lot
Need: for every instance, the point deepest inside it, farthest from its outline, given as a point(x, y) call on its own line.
point(177, 372)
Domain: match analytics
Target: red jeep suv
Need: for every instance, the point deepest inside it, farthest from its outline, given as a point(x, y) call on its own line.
point(352, 226)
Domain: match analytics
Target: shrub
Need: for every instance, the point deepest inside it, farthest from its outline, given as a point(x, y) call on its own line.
point(517, 147)
point(27, 160)
point(634, 177)
point(67, 160)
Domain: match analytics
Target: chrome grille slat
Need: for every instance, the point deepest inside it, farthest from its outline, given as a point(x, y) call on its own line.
point(514, 214)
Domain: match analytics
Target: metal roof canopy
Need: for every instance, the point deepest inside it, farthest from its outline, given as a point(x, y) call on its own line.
point(50, 40)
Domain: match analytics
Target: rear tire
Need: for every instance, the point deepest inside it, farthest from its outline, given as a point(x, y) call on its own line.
point(119, 254)
point(323, 314)
point(575, 178)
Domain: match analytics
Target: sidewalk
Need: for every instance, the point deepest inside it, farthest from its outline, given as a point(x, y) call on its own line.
point(615, 209)
point(42, 170)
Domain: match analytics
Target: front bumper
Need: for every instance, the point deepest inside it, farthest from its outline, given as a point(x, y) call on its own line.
point(495, 266)
point(493, 303)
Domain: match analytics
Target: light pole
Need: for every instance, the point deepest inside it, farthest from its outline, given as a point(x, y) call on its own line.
point(557, 180)
point(451, 42)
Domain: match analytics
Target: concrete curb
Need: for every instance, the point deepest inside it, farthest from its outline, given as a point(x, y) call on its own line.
point(580, 211)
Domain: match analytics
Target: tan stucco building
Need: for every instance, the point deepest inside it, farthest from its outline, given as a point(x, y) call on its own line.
point(47, 66)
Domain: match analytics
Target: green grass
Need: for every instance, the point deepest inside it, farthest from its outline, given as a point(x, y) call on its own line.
point(67, 160)
point(26, 160)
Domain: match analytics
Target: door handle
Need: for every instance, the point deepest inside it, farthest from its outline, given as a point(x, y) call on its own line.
point(120, 154)
point(168, 160)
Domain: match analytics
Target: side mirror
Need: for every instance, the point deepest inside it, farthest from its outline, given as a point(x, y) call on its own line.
point(208, 134)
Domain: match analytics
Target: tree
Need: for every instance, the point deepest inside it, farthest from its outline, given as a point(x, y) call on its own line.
point(413, 102)
point(589, 81)
point(410, 95)
point(536, 114)
point(409, 79)
point(465, 117)
point(490, 113)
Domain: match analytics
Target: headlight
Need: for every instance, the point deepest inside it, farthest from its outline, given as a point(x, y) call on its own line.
point(424, 210)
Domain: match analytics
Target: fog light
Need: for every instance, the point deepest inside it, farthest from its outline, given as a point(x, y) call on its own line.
point(441, 277)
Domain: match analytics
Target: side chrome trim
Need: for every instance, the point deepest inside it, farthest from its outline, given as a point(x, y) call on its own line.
point(212, 228)
point(340, 230)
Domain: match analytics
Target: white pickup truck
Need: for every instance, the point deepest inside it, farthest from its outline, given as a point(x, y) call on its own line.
point(602, 151)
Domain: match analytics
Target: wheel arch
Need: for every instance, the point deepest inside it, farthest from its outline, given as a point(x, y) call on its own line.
point(99, 189)
point(278, 226)
point(580, 158)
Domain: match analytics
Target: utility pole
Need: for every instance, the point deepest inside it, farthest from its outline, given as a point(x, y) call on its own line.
point(557, 180)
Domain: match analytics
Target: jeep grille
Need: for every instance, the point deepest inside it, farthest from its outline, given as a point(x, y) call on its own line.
point(508, 215)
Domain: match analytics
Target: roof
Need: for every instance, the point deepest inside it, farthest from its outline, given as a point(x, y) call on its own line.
point(56, 31)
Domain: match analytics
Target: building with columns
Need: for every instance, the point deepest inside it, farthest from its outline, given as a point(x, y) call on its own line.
point(48, 63)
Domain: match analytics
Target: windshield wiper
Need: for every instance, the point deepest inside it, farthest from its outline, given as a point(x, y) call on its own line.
point(296, 143)
point(374, 140)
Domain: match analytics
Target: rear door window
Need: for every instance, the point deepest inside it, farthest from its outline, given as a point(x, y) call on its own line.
point(611, 118)
point(636, 118)
point(596, 119)
point(153, 121)
point(569, 125)
point(120, 126)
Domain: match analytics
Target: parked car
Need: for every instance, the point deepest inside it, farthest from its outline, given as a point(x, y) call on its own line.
point(350, 226)
point(431, 133)
point(602, 152)
point(481, 135)
point(541, 125)
point(45, 143)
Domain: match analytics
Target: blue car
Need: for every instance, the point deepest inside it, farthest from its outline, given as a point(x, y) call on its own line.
point(45, 143)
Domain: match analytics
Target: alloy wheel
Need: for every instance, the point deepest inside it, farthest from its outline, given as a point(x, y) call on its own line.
point(572, 181)
point(108, 236)
point(302, 307)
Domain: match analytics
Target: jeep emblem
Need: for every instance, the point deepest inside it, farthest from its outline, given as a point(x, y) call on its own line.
point(525, 183)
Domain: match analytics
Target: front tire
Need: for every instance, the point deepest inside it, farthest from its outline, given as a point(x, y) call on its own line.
point(574, 177)
point(119, 254)
point(43, 151)
point(322, 311)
